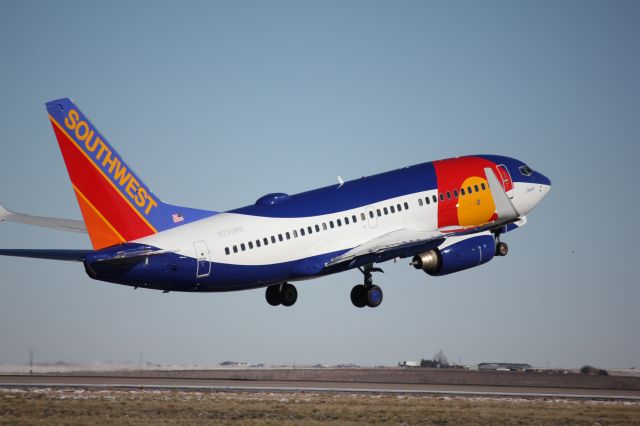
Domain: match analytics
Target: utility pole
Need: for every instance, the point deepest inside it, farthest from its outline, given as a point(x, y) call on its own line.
point(30, 360)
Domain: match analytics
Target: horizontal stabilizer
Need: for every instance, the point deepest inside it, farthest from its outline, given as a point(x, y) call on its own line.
point(46, 222)
point(52, 254)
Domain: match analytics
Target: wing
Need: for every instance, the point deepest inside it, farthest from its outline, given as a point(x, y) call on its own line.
point(408, 242)
point(400, 243)
point(47, 222)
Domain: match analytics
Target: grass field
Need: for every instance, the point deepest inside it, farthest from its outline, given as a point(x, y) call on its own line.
point(138, 407)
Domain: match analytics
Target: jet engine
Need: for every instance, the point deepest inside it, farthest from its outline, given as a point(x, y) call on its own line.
point(463, 254)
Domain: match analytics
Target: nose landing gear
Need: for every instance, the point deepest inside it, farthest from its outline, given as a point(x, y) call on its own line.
point(502, 249)
point(367, 294)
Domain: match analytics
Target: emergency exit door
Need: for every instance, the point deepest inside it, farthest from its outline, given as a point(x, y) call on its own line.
point(203, 259)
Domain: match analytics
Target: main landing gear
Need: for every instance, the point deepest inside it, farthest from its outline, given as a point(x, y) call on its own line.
point(367, 294)
point(283, 294)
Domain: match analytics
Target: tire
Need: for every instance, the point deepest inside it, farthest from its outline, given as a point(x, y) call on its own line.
point(272, 295)
point(358, 296)
point(374, 296)
point(288, 295)
point(502, 249)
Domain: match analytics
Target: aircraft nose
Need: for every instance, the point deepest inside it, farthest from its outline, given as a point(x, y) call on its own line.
point(543, 180)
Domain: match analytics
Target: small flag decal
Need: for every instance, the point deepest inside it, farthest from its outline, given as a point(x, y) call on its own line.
point(177, 217)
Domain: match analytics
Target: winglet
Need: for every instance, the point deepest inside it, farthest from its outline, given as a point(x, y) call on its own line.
point(4, 213)
point(504, 208)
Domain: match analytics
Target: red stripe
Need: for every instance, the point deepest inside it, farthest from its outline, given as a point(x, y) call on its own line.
point(100, 192)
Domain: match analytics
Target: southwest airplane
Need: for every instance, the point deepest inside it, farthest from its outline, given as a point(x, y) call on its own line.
point(447, 215)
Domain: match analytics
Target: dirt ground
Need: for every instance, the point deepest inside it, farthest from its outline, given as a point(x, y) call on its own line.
point(138, 407)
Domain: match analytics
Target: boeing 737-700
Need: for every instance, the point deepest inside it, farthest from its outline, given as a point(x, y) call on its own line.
point(447, 216)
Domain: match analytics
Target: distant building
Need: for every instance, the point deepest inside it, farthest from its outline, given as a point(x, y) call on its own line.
point(504, 366)
point(408, 364)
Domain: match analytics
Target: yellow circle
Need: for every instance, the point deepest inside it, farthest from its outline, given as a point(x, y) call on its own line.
point(475, 207)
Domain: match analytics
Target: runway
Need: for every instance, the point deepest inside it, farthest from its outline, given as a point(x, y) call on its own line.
point(218, 385)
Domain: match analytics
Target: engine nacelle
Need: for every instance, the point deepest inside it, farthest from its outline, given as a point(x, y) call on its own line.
point(465, 254)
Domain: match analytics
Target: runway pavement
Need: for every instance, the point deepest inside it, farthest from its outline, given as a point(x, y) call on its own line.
point(217, 385)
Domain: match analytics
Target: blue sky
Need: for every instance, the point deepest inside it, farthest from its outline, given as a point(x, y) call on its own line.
point(217, 103)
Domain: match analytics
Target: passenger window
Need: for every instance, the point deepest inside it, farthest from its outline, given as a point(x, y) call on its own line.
point(280, 237)
point(455, 193)
point(251, 244)
point(265, 241)
point(362, 216)
point(295, 234)
point(448, 195)
point(273, 239)
point(378, 212)
point(324, 226)
point(339, 222)
point(302, 231)
point(420, 203)
point(427, 200)
point(317, 228)
point(461, 191)
point(393, 209)
point(331, 224)
point(434, 198)
point(257, 243)
point(469, 191)
point(371, 214)
point(386, 211)
point(346, 220)
point(406, 206)
point(287, 236)
point(482, 186)
point(476, 188)
point(309, 230)
point(399, 207)
point(235, 249)
point(441, 197)
point(243, 247)
point(226, 250)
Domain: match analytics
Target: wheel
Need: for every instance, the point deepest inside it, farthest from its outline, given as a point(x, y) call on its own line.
point(502, 249)
point(374, 296)
point(288, 295)
point(358, 296)
point(273, 296)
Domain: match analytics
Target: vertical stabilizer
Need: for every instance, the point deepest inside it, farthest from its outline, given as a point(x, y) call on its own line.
point(117, 206)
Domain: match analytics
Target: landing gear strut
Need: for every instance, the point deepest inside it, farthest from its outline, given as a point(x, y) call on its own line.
point(501, 248)
point(367, 294)
point(283, 294)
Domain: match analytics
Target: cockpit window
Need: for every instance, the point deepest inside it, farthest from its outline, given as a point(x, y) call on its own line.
point(526, 170)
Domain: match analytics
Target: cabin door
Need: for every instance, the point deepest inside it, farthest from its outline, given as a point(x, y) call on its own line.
point(505, 178)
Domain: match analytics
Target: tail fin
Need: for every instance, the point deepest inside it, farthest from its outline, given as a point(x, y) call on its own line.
point(116, 205)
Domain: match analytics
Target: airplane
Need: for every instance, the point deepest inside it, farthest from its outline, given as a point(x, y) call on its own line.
point(447, 216)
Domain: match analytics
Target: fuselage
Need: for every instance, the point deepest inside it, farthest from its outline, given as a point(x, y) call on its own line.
point(284, 238)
